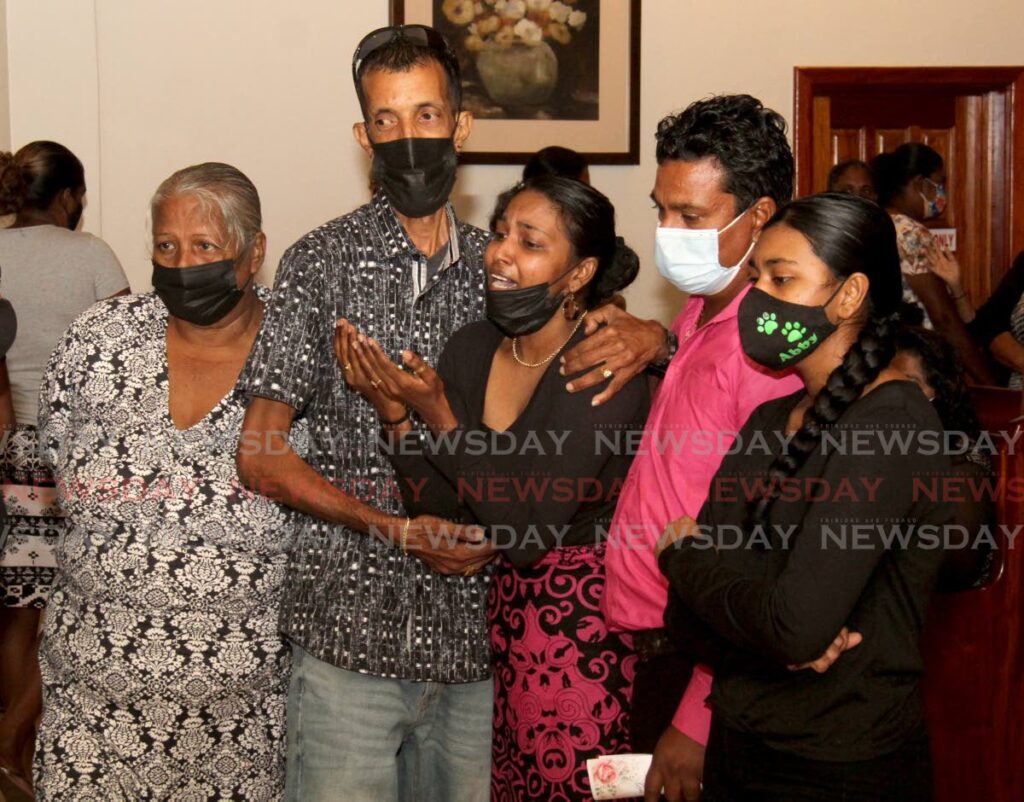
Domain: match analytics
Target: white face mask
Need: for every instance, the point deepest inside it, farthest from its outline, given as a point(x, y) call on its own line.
point(689, 258)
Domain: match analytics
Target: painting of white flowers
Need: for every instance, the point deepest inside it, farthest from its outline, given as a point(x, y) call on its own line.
point(566, 71)
point(525, 59)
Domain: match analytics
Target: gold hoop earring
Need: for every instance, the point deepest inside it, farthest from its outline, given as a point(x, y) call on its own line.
point(571, 308)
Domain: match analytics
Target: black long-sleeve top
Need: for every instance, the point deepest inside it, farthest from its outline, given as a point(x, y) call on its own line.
point(551, 479)
point(752, 611)
point(994, 316)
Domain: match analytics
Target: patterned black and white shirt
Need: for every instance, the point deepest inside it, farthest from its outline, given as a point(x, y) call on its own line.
point(350, 599)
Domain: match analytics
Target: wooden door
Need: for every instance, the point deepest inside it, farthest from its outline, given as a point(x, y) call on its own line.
point(968, 115)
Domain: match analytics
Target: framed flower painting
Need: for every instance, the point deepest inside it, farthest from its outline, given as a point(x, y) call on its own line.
point(543, 72)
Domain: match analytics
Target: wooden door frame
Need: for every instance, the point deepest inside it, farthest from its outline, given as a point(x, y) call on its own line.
point(812, 82)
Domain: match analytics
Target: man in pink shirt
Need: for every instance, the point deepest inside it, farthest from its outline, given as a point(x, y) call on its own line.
point(724, 167)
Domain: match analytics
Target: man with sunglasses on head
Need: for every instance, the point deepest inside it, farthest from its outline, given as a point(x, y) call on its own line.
point(391, 694)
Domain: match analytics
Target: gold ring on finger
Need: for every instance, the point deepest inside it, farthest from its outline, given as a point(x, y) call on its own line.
point(346, 367)
point(607, 373)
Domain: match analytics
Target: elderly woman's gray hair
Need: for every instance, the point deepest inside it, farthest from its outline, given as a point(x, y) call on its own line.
point(222, 190)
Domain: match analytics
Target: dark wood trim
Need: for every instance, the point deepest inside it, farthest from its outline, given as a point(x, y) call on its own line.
point(1015, 143)
point(951, 79)
point(630, 156)
point(803, 128)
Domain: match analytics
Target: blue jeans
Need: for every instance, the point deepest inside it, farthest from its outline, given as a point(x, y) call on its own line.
point(359, 738)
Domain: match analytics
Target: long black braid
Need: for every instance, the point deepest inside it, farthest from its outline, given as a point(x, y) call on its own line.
point(850, 235)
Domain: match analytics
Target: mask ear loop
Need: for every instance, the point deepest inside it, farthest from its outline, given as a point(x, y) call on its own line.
point(750, 250)
point(929, 203)
point(732, 222)
point(835, 293)
point(234, 264)
point(832, 297)
point(746, 256)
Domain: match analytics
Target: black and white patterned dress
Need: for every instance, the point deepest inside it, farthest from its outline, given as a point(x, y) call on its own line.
point(164, 675)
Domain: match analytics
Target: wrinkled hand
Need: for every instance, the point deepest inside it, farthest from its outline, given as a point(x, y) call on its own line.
point(844, 641)
point(678, 529)
point(616, 341)
point(944, 265)
point(677, 767)
point(352, 356)
point(448, 548)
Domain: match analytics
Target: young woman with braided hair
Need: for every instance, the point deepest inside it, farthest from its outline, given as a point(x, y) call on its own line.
point(814, 525)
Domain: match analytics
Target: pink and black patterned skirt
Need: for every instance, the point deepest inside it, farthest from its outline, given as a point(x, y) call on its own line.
point(562, 681)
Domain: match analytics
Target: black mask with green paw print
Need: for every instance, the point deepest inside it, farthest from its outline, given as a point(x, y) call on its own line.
point(778, 334)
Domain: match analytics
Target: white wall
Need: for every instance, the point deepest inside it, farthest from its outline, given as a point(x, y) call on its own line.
point(139, 89)
point(5, 100)
point(51, 57)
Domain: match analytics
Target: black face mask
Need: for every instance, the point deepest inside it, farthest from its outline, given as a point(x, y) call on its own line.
point(778, 334)
point(417, 174)
point(8, 326)
point(523, 311)
point(202, 294)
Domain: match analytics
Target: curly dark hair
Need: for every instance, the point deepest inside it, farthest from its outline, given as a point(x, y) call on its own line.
point(944, 374)
point(850, 235)
point(747, 139)
point(588, 219)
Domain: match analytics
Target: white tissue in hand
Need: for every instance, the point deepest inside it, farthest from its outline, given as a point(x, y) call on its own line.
point(618, 776)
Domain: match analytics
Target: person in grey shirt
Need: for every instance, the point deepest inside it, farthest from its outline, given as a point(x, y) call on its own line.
point(51, 274)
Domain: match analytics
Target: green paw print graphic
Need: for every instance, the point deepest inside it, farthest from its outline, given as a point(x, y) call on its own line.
point(793, 332)
point(766, 324)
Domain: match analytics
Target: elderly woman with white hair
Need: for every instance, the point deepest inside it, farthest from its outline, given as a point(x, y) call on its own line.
point(163, 673)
